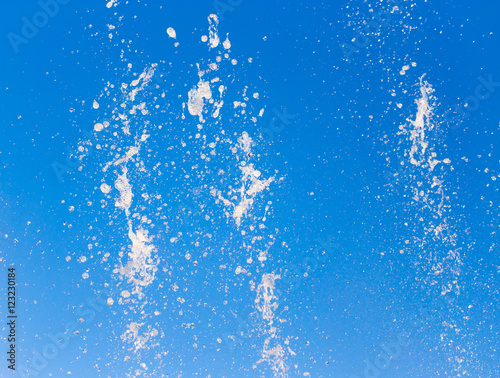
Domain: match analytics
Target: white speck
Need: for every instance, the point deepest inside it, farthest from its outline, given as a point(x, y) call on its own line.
point(125, 190)
point(98, 127)
point(213, 21)
point(226, 43)
point(105, 188)
point(196, 98)
point(95, 104)
point(171, 33)
point(246, 143)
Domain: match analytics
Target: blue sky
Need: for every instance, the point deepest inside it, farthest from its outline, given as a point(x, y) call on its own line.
point(410, 253)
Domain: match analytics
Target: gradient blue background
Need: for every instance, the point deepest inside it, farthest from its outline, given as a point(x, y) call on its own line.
point(352, 303)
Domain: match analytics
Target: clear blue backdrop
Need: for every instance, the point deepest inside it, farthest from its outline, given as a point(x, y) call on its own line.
point(356, 300)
